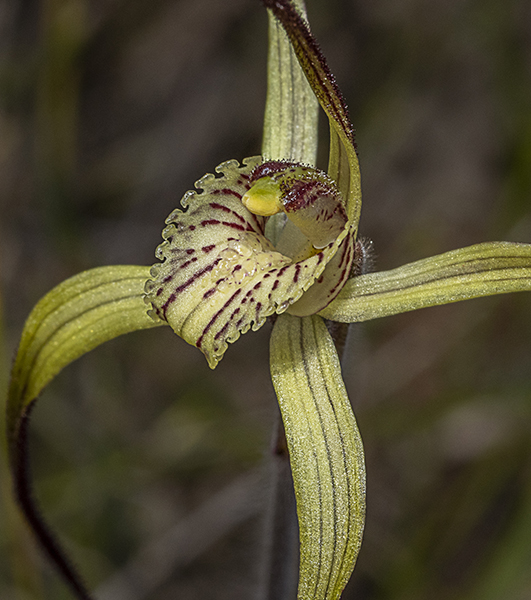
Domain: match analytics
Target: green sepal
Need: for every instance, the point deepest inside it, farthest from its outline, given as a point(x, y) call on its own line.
point(72, 319)
point(290, 120)
point(480, 270)
point(326, 454)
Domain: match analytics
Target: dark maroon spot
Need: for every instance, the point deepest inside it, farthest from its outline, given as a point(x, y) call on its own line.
point(269, 168)
point(191, 228)
point(297, 271)
point(207, 249)
point(190, 251)
point(209, 293)
point(275, 285)
point(257, 286)
point(282, 271)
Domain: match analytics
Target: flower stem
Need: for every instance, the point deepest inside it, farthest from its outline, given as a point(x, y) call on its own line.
point(281, 568)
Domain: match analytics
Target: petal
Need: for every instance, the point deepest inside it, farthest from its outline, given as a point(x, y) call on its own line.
point(75, 317)
point(220, 275)
point(480, 270)
point(343, 163)
point(326, 454)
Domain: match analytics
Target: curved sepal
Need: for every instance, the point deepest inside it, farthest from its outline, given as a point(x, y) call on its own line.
point(326, 454)
point(75, 317)
point(480, 270)
point(72, 319)
point(220, 276)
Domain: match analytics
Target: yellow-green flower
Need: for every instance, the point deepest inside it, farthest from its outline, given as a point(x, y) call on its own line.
point(271, 236)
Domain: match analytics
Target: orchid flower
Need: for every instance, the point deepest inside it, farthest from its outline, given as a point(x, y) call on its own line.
point(270, 237)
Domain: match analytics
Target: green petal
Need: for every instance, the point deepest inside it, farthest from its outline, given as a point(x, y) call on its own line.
point(326, 454)
point(343, 163)
point(480, 270)
point(75, 317)
point(290, 122)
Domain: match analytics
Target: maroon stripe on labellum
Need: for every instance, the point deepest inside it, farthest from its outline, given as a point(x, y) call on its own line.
point(188, 262)
point(207, 249)
point(225, 223)
point(297, 271)
point(226, 209)
point(226, 192)
point(182, 287)
point(221, 331)
point(258, 223)
point(236, 226)
point(216, 316)
point(275, 285)
point(227, 324)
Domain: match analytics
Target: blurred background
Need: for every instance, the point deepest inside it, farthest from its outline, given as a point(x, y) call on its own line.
point(148, 463)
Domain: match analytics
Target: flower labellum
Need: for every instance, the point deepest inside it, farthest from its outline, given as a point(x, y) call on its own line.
point(220, 275)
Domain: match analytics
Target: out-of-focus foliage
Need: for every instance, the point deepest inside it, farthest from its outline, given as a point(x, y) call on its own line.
point(109, 112)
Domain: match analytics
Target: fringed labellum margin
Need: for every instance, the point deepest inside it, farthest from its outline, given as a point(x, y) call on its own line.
point(220, 275)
